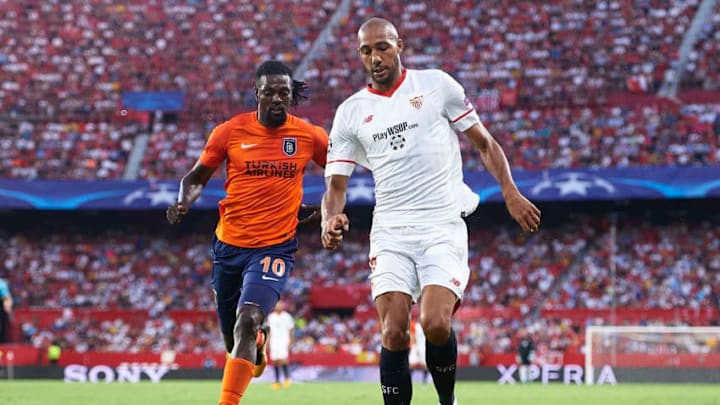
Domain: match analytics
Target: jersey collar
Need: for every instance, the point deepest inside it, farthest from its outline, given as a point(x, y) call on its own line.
point(390, 92)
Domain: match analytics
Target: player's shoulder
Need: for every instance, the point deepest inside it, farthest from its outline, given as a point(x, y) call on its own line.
point(429, 76)
point(423, 73)
point(361, 96)
point(354, 106)
point(304, 125)
point(241, 119)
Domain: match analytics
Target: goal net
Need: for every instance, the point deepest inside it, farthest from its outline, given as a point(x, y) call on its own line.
point(652, 354)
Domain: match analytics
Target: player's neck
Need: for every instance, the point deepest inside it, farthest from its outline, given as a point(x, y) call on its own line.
point(390, 86)
point(269, 124)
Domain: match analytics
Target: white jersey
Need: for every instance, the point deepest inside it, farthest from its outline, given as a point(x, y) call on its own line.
point(406, 137)
point(280, 323)
point(467, 199)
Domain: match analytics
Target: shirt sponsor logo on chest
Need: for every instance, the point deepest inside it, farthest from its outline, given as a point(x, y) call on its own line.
point(394, 134)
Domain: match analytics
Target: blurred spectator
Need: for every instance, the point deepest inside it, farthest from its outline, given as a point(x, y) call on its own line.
point(5, 310)
point(54, 352)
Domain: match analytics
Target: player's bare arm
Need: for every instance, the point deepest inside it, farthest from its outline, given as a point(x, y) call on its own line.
point(190, 187)
point(334, 222)
point(525, 213)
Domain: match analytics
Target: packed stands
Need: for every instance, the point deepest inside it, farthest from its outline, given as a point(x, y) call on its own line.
point(72, 61)
point(57, 151)
point(619, 136)
point(676, 265)
point(562, 84)
point(550, 53)
point(514, 278)
point(703, 68)
point(530, 68)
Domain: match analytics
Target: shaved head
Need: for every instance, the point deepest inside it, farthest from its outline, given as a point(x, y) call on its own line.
point(380, 48)
point(378, 24)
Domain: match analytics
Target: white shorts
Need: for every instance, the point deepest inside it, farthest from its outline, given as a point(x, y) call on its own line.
point(417, 356)
point(279, 350)
point(408, 258)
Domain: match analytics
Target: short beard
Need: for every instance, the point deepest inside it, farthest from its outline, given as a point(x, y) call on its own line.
point(275, 121)
point(387, 80)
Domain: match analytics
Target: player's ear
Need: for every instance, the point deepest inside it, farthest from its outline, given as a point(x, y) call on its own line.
point(257, 93)
point(400, 45)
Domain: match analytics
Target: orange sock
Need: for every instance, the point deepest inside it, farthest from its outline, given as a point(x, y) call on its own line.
point(236, 378)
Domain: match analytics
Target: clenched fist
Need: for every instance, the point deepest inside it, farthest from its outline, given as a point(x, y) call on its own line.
point(332, 231)
point(175, 212)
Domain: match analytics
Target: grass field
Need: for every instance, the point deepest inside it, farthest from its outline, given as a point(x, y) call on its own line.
point(31, 392)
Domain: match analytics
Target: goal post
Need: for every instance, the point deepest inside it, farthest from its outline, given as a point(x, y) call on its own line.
point(653, 353)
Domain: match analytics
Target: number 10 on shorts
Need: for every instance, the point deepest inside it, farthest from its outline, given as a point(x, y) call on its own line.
point(277, 266)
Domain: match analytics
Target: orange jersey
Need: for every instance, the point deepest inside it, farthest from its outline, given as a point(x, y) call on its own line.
point(264, 176)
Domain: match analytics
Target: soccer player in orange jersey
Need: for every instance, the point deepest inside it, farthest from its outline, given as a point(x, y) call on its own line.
point(254, 244)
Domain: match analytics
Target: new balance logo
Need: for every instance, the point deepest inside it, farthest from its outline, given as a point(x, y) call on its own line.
point(264, 277)
point(247, 145)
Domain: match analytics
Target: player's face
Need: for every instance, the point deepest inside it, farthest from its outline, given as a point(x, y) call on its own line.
point(380, 53)
point(274, 95)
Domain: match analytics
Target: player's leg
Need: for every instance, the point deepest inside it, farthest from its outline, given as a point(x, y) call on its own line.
point(240, 367)
point(3, 328)
point(280, 353)
point(394, 312)
point(394, 284)
point(523, 372)
point(443, 275)
point(258, 297)
point(276, 368)
point(227, 281)
point(285, 372)
point(436, 311)
point(270, 268)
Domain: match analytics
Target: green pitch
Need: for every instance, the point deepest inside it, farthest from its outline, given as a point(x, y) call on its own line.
point(206, 392)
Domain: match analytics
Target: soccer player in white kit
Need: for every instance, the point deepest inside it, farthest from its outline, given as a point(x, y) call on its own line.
point(281, 326)
point(401, 127)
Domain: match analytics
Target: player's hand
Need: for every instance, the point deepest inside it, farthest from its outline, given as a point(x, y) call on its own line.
point(525, 213)
point(309, 217)
point(175, 212)
point(332, 231)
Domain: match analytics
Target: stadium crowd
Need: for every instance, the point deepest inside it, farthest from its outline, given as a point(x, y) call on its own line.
point(542, 76)
point(540, 73)
point(533, 139)
point(71, 61)
point(532, 53)
point(703, 68)
point(564, 267)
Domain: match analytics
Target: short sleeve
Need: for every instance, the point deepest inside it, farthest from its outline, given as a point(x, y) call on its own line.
point(215, 150)
point(457, 108)
point(342, 147)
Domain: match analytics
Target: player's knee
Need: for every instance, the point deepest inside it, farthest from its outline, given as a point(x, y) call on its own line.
point(436, 328)
point(248, 322)
point(395, 338)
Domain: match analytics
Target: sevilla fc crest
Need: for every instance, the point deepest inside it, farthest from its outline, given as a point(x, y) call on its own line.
point(417, 102)
point(289, 146)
